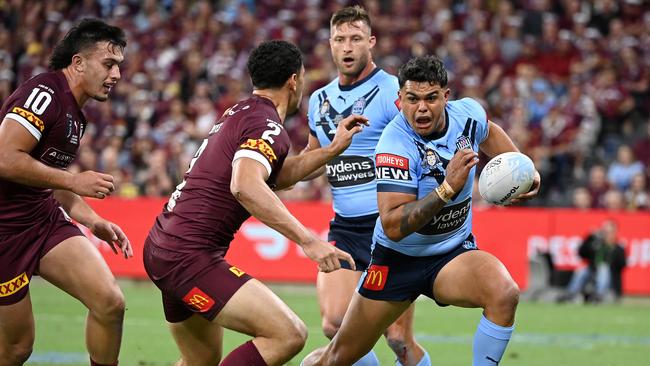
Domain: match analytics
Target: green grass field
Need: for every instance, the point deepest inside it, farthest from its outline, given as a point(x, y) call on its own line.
point(546, 334)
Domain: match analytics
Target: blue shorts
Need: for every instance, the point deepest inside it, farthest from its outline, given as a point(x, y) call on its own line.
point(354, 236)
point(393, 276)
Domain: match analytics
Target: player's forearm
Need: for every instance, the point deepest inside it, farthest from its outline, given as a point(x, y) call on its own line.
point(258, 199)
point(411, 216)
point(297, 168)
point(20, 167)
point(76, 207)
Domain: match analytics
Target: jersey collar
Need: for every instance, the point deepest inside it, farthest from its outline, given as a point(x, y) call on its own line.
point(359, 82)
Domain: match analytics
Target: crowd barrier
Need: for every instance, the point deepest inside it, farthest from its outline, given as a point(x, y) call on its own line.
point(512, 234)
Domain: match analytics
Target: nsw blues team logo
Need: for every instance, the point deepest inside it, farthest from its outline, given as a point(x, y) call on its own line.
point(463, 142)
point(359, 106)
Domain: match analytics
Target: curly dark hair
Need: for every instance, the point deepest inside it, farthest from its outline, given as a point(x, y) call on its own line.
point(423, 68)
point(350, 14)
point(83, 37)
point(272, 63)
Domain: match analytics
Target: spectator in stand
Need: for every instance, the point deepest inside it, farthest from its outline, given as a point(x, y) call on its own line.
point(625, 167)
point(642, 149)
point(613, 200)
point(637, 196)
point(581, 198)
point(592, 56)
point(597, 185)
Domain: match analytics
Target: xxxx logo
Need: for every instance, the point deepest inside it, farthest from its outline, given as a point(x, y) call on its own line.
point(261, 146)
point(12, 286)
point(31, 117)
point(198, 300)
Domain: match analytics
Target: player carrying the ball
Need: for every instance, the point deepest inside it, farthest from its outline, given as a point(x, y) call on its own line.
point(423, 242)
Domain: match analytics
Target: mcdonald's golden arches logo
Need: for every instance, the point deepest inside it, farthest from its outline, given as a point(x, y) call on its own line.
point(376, 277)
point(198, 300)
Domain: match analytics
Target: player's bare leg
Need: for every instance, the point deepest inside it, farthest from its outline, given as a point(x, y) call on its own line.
point(278, 334)
point(76, 267)
point(335, 290)
point(349, 344)
point(478, 279)
point(199, 340)
point(399, 336)
point(16, 332)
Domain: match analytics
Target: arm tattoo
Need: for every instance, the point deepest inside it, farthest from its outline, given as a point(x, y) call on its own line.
point(418, 213)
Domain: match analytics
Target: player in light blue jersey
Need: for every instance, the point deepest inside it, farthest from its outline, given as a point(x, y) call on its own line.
point(361, 88)
point(423, 242)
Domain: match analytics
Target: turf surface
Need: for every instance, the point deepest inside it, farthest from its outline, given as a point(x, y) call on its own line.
point(546, 334)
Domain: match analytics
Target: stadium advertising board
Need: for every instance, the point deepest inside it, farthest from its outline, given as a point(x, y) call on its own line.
point(512, 234)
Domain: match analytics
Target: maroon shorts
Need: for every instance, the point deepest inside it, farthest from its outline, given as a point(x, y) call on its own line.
point(21, 252)
point(200, 282)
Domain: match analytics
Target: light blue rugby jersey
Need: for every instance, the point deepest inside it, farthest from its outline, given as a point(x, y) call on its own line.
point(352, 174)
point(407, 162)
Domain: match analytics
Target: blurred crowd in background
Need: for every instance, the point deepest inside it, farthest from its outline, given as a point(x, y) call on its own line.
point(567, 79)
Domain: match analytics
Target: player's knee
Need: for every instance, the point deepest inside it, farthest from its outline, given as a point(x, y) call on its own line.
point(295, 337)
point(330, 327)
point(18, 353)
point(396, 342)
point(111, 306)
point(508, 298)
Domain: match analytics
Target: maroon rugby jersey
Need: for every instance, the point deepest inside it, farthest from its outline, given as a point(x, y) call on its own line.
point(45, 106)
point(202, 213)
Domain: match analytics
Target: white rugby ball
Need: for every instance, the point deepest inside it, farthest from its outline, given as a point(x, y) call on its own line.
point(505, 177)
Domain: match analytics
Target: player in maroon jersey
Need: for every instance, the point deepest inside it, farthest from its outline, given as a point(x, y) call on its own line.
point(42, 125)
point(231, 177)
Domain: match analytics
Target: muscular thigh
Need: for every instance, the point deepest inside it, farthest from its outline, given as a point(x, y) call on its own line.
point(470, 279)
point(255, 310)
point(335, 290)
point(76, 266)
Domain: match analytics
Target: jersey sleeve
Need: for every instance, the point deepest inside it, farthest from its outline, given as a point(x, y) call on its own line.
point(260, 140)
point(479, 114)
point(35, 106)
point(396, 162)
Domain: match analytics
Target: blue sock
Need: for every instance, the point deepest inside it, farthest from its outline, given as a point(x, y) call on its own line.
point(490, 341)
point(370, 359)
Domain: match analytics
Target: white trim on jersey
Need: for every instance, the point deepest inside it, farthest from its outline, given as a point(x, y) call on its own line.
point(20, 119)
point(253, 155)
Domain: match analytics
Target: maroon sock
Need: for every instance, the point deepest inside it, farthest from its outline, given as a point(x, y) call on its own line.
point(93, 363)
point(246, 354)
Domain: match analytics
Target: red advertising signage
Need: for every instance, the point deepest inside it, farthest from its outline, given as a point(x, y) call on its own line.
point(511, 234)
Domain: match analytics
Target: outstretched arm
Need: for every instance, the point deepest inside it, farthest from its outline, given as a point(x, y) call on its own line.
point(296, 168)
point(105, 230)
point(250, 189)
point(18, 166)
